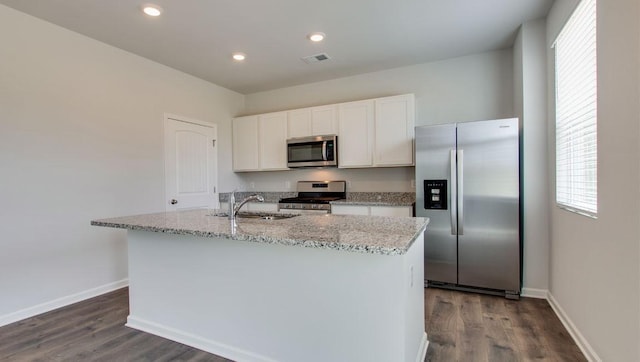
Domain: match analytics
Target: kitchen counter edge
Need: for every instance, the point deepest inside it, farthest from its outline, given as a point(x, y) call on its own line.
point(345, 233)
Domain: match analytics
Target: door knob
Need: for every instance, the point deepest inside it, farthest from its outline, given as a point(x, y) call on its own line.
point(173, 201)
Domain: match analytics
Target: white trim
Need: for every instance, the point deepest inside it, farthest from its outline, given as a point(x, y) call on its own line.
point(176, 117)
point(424, 346)
point(582, 343)
point(535, 293)
point(189, 339)
point(61, 302)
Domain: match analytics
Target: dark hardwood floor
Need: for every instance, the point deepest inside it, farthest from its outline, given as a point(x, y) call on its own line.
point(476, 327)
point(92, 330)
point(461, 327)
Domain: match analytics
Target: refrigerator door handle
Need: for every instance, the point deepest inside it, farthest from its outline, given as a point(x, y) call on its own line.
point(454, 197)
point(460, 187)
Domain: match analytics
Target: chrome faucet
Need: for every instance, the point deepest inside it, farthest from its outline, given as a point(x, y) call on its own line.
point(233, 208)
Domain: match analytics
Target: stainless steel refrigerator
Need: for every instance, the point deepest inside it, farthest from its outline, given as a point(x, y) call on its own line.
point(468, 184)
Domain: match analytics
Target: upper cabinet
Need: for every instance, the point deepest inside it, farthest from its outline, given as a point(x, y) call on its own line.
point(259, 142)
point(245, 144)
point(356, 135)
point(376, 132)
point(395, 122)
point(313, 121)
point(299, 123)
point(272, 139)
point(324, 120)
point(371, 133)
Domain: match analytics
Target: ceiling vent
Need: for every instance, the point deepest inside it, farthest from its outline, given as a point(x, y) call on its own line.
point(316, 58)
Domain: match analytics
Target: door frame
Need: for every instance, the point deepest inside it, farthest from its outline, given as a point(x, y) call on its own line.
point(174, 117)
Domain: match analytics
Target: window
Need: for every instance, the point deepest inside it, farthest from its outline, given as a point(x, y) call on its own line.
point(576, 112)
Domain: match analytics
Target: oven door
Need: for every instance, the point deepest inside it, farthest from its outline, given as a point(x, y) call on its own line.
point(319, 151)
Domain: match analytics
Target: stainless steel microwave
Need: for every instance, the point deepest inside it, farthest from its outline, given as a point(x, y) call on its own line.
point(314, 151)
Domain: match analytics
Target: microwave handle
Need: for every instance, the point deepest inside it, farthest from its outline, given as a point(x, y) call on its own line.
point(324, 151)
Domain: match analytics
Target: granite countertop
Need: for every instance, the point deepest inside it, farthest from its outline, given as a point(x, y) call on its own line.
point(366, 234)
point(378, 199)
point(353, 198)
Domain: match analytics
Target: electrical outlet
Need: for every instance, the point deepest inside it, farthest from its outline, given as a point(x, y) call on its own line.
point(287, 185)
point(252, 185)
point(413, 184)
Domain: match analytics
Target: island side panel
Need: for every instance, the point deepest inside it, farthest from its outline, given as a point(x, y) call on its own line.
point(414, 311)
point(252, 301)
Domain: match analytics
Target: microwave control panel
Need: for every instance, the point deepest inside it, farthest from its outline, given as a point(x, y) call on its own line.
point(435, 194)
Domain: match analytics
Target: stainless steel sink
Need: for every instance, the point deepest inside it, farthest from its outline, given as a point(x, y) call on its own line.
point(256, 215)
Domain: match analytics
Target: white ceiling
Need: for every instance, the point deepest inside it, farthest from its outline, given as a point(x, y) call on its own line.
point(198, 36)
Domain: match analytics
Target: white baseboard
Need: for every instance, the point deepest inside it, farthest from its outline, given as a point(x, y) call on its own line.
point(61, 302)
point(534, 293)
point(207, 345)
point(582, 343)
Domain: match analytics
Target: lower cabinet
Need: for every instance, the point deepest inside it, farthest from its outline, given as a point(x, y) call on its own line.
point(262, 207)
point(372, 210)
point(253, 207)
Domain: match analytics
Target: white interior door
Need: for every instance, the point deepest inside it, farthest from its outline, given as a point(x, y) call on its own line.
point(191, 164)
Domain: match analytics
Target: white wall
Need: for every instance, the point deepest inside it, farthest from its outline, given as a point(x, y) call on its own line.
point(468, 88)
point(530, 103)
point(81, 138)
point(595, 264)
point(462, 89)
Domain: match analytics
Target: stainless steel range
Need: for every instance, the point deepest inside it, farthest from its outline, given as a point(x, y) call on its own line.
point(315, 196)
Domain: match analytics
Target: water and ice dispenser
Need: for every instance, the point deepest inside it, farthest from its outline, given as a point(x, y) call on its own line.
point(435, 194)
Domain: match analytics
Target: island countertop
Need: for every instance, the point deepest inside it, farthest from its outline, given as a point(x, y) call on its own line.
point(365, 234)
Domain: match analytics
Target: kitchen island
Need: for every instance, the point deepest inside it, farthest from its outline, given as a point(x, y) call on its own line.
point(305, 288)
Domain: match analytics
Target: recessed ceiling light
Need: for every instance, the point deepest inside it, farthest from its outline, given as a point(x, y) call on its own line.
point(239, 56)
point(152, 10)
point(316, 37)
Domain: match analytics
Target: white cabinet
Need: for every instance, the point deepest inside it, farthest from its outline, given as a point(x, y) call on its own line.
point(313, 121)
point(391, 211)
point(349, 210)
point(372, 210)
point(299, 123)
point(376, 132)
point(245, 144)
point(259, 142)
point(262, 207)
point(394, 122)
point(272, 140)
point(324, 120)
point(371, 133)
point(356, 134)
point(252, 207)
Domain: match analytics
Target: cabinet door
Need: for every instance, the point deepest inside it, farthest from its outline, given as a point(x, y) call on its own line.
point(324, 120)
point(245, 144)
point(392, 211)
point(349, 210)
point(272, 140)
point(355, 140)
point(299, 122)
point(262, 207)
point(395, 121)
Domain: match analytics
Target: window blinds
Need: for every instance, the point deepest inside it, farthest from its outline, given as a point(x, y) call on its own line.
point(576, 112)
